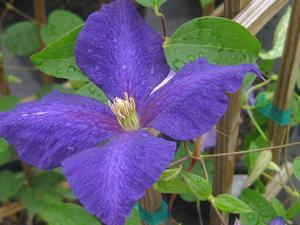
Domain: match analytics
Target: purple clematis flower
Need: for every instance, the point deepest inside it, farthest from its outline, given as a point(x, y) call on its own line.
point(278, 221)
point(107, 153)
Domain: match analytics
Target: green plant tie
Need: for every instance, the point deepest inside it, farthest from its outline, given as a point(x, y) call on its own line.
point(160, 216)
point(281, 117)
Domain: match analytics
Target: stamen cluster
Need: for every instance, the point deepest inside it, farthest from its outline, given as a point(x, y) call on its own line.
point(125, 111)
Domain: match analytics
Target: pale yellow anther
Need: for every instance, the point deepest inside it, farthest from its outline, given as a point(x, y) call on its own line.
point(125, 112)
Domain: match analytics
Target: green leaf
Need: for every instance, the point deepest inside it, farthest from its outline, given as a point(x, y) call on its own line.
point(295, 111)
point(230, 204)
point(279, 207)
point(22, 38)
point(298, 79)
point(296, 167)
point(92, 91)
point(263, 210)
point(171, 183)
point(253, 140)
point(6, 152)
point(279, 37)
point(13, 79)
point(204, 3)
point(68, 214)
point(8, 102)
point(262, 161)
point(57, 59)
point(197, 169)
point(294, 210)
point(220, 40)
point(44, 90)
point(45, 189)
point(155, 4)
point(134, 218)
point(59, 23)
point(201, 188)
point(11, 184)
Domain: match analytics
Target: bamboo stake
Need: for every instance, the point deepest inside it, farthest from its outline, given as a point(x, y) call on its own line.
point(229, 124)
point(287, 76)
point(11, 209)
point(4, 86)
point(258, 12)
point(218, 11)
point(151, 201)
point(40, 16)
point(209, 8)
point(254, 16)
point(274, 187)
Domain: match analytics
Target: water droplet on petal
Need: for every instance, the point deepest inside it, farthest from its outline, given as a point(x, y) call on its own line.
point(71, 69)
point(152, 70)
point(191, 58)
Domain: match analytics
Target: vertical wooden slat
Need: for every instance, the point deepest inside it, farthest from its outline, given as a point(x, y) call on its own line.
point(151, 201)
point(209, 8)
point(227, 138)
point(4, 86)
point(287, 76)
point(41, 17)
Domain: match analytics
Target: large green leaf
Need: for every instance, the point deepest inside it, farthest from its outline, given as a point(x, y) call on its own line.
point(201, 188)
point(22, 38)
point(59, 23)
point(295, 110)
point(171, 183)
point(92, 91)
point(263, 210)
point(230, 204)
point(155, 4)
point(204, 3)
point(279, 37)
point(296, 167)
point(262, 161)
point(68, 214)
point(11, 184)
point(8, 102)
point(6, 152)
point(220, 40)
point(57, 59)
point(44, 190)
point(134, 218)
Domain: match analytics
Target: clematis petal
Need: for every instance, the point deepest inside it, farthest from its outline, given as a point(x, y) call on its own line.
point(278, 221)
point(194, 100)
point(109, 179)
point(49, 130)
point(209, 139)
point(120, 52)
point(237, 222)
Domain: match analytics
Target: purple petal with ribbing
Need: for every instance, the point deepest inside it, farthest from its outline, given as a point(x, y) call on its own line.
point(47, 131)
point(194, 100)
point(209, 139)
point(237, 222)
point(278, 221)
point(109, 179)
point(120, 52)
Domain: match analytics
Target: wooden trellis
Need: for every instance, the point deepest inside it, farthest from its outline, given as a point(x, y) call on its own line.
point(254, 16)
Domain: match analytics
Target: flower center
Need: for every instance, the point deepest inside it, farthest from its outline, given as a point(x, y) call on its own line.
point(125, 111)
